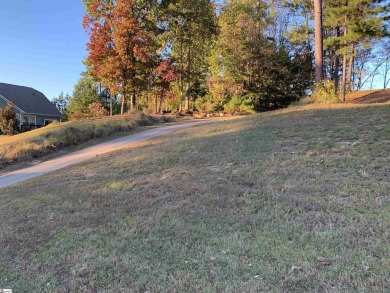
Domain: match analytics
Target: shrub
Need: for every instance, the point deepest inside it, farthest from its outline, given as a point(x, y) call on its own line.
point(233, 105)
point(77, 116)
point(200, 104)
point(248, 103)
point(148, 110)
point(96, 109)
point(210, 104)
point(324, 93)
point(8, 121)
point(242, 104)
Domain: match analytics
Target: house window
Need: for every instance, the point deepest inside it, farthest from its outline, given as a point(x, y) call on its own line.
point(29, 120)
point(18, 117)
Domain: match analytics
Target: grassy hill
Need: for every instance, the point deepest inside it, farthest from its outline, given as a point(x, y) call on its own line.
point(291, 201)
point(41, 142)
point(369, 96)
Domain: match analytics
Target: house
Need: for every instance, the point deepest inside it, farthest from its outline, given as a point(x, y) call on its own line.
point(32, 108)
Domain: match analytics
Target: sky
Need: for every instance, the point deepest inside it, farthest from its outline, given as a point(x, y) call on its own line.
point(42, 44)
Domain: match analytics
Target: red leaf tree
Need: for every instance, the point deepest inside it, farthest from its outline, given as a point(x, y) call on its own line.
point(119, 44)
point(163, 75)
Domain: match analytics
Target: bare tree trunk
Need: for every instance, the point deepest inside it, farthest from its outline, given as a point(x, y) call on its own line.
point(386, 71)
point(343, 89)
point(350, 68)
point(343, 83)
point(181, 92)
point(373, 73)
point(336, 77)
point(133, 84)
point(181, 78)
point(123, 102)
point(110, 104)
point(160, 104)
point(132, 101)
point(187, 102)
point(372, 81)
point(325, 68)
point(318, 41)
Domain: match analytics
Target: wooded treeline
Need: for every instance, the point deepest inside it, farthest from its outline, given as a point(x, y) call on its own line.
point(233, 55)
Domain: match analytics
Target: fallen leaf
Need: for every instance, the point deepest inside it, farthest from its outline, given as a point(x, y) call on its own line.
point(324, 261)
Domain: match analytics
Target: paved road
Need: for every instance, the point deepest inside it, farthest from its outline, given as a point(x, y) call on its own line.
point(88, 153)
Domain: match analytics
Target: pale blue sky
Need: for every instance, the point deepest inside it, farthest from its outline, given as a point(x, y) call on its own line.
point(42, 44)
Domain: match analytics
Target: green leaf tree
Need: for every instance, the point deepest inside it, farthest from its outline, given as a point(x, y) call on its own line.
point(86, 92)
point(356, 24)
point(255, 67)
point(190, 26)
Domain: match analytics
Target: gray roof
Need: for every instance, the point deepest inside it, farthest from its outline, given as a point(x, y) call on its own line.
point(28, 100)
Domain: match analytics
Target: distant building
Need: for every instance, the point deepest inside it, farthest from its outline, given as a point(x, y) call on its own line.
point(32, 108)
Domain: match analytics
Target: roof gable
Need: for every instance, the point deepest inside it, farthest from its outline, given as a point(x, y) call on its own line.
point(28, 99)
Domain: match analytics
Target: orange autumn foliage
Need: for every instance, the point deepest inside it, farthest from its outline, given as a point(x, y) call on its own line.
point(117, 44)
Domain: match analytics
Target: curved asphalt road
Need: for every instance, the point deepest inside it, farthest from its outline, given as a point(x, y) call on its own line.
point(88, 153)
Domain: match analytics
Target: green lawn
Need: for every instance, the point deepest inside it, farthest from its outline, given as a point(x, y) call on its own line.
point(290, 201)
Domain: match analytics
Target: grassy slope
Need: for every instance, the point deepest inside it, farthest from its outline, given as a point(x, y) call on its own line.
point(51, 139)
point(369, 96)
point(246, 205)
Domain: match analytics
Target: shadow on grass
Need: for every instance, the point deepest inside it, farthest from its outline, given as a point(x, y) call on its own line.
point(246, 205)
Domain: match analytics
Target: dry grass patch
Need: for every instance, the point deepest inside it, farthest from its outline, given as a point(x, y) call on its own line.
point(292, 201)
point(369, 96)
point(57, 136)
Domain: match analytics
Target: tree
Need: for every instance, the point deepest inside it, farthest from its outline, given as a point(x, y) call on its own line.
point(190, 26)
point(163, 75)
point(385, 63)
point(109, 100)
point(356, 23)
point(348, 28)
point(369, 67)
point(8, 121)
point(85, 93)
point(318, 33)
point(61, 102)
point(256, 70)
point(121, 41)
